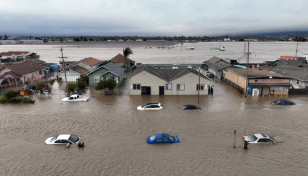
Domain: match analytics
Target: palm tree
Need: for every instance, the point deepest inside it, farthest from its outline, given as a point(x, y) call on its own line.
point(126, 52)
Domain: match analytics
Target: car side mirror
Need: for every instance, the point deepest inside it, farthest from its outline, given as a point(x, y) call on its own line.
point(68, 145)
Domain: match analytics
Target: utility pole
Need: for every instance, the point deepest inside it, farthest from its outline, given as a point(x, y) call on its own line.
point(199, 84)
point(63, 65)
point(247, 69)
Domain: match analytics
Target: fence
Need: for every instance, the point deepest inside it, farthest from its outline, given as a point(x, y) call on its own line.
point(298, 91)
point(240, 89)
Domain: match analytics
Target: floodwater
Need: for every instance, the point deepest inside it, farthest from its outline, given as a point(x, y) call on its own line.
point(114, 133)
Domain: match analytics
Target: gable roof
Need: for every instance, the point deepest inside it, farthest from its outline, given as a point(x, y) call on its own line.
point(14, 75)
point(25, 67)
point(91, 61)
point(217, 63)
point(289, 71)
point(114, 68)
point(120, 59)
point(166, 74)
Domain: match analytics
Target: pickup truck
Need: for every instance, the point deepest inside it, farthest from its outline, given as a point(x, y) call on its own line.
point(75, 98)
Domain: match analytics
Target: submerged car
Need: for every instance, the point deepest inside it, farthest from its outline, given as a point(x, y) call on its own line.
point(259, 139)
point(162, 138)
point(189, 66)
point(62, 139)
point(190, 107)
point(151, 106)
point(283, 102)
point(161, 67)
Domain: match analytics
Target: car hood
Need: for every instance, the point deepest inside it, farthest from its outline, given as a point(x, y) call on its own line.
point(176, 139)
point(48, 140)
point(64, 99)
point(139, 107)
point(246, 139)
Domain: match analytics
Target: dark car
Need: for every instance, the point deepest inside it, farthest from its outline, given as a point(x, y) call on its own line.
point(155, 66)
point(161, 67)
point(190, 107)
point(210, 75)
point(283, 102)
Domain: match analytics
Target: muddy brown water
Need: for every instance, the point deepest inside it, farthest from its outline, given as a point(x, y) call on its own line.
point(114, 133)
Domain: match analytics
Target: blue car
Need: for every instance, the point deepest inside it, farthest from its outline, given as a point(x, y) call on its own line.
point(162, 138)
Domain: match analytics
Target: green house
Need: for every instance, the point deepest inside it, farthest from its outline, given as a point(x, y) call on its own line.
point(107, 71)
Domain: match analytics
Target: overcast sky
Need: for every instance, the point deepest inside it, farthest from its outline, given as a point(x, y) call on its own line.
point(150, 17)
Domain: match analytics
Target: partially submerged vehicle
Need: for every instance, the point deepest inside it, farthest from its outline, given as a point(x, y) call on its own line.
point(75, 98)
point(259, 139)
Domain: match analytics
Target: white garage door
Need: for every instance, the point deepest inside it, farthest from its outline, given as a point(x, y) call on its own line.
point(69, 78)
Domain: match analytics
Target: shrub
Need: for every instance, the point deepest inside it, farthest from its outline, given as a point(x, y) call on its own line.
point(106, 84)
point(11, 94)
point(27, 100)
point(51, 82)
point(15, 100)
point(3, 99)
point(40, 87)
point(71, 86)
point(81, 85)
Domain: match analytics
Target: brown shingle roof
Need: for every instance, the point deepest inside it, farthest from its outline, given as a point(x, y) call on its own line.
point(253, 73)
point(91, 61)
point(14, 75)
point(25, 67)
point(120, 59)
point(13, 52)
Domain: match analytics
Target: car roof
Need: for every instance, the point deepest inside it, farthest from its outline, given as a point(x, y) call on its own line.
point(189, 105)
point(153, 103)
point(162, 135)
point(261, 135)
point(64, 136)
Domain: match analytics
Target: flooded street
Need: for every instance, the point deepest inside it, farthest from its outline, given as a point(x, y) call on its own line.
point(114, 133)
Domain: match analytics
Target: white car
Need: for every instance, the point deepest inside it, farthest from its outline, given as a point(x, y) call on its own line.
point(175, 66)
point(151, 106)
point(189, 66)
point(259, 139)
point(62, 139)
point(75, 98)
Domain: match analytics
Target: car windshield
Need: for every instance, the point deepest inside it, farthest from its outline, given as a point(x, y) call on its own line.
point(152, 138)
point(252, 137)
point(273, 139)
point(171, 138)
point(73, 138)
point(278, 101)
point(53, 139)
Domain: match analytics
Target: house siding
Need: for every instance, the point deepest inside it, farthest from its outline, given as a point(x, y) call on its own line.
point(103, 77)
point(190, 80)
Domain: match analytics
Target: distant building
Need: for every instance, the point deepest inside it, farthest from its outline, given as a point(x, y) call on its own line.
point(251, 40)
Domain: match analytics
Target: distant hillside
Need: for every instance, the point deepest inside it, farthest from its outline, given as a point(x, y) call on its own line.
point(279, 34)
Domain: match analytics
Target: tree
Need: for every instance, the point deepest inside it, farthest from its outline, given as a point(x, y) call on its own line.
point(241, 39)
point(61, 39)
point(109, 84)
point(81, 38)
point(5, 37)
point(11, 94)
point(30, 37)
point(126, 52)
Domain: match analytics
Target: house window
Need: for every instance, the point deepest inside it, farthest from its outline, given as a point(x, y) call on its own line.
point(96, 78)
point(136, 86)
point(168, 86)
point(180, 87)
point(201, 86)
point(40, 72)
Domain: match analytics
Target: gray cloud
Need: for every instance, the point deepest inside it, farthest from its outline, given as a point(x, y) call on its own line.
point(155, 17)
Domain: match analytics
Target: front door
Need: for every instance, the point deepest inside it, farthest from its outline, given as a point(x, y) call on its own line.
point(148, 91)
point(161, 90)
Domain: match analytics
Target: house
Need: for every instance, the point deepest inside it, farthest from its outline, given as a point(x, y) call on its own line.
point(15, 55)
point(216, 66)
point(147, 80)
point(260, 82)
point(74, 73)
point(120, 60)
point(89, 63)
point(298, 75)
point(28, 71)
point(107, 71)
